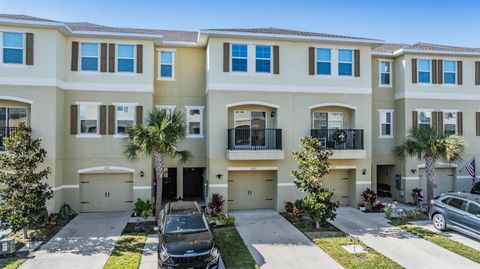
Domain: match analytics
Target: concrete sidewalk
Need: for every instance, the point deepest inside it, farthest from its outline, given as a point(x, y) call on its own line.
point(275, 243)
point(85, 243)
point(451, 234)
point(402, 247)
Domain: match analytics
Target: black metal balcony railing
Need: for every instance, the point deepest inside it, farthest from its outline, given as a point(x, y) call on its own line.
point(5, 132)
point(254, 139)
point(339, 139)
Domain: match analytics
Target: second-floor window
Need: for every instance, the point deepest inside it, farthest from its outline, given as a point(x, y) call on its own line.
point(167, 64)
point(424, 68)
point(88, 119)
point(125, 117)
point(89, 60)
point(194, 121)
point(12, 48)
point(239, 58)
point(386, 123)
point(10, 117)
point(449, 72)
point(324, 61)
point(126, 58)
point(327, 120)
point(167, 108)
point(450, 123)
point(263, 59)
point(385, 73)
point(345, 62)
point(424, 119)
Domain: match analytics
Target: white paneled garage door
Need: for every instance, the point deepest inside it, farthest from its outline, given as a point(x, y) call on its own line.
point(442, 183)
point(251, 190)
point(106, 192)
point(339, 180)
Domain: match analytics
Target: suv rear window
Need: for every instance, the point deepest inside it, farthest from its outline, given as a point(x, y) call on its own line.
point(185, 224)
point(473, 209)
point(456, 203)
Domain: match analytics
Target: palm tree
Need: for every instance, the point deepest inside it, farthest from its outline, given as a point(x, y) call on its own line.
point(426, 143)
point(159, 139)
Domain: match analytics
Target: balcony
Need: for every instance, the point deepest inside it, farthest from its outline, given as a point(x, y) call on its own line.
point(4, 133)
point(345, 143)
point(254, 144)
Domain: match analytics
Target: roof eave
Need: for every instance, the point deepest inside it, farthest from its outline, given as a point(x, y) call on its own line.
point(291, 37)
point(436, 52)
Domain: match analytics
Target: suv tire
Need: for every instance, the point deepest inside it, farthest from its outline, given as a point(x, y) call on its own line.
point(439, 222)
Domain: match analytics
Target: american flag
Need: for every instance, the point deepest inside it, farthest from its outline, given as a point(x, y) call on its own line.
point(470, 166)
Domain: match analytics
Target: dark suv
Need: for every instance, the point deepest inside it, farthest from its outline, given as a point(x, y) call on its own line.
point(459, 211)
point(185, 240)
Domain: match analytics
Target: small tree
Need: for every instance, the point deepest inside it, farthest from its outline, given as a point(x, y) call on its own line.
point(23, 198)
point(312, 166)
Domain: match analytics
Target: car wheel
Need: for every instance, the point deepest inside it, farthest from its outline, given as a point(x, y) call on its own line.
point(439, 222)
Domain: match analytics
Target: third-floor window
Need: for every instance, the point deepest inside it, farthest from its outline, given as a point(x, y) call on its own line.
point(239, 58)
point(324, 61)
point(12, 48)
point(345, 62)
point(263, 59)
point(385, 73)
point(167, 64)
point(126, 58)
point(89, 54)
point(449, 72)
point(424, 71)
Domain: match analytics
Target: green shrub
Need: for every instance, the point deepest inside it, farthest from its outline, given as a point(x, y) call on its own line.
point(226, 219)
point(143, 208)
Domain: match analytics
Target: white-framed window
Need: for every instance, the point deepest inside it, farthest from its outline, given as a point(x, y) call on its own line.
point(89, 56)
point(194, 118)
point(166, 69)
point(424, 119)
point(345, 62)
point(11, 116)
point(124, 118)
point(168, 108)
point(450, 122)
point(327, 120)
point(449, 72)
point(324, 61)
point(385, 73)
point(239, 58)
point(125, 58)
point(13, 48)
point(89, 114)
point(424, 70)
point(386, 123)
point(263, 59)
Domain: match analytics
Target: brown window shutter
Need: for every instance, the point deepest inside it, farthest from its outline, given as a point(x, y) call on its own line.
point(311, 61)
point(477, 123)
point(74, 119)
point(103, 119)
point(414, 71)
point(459, 72)
point(29, 49)
point(356, 60)
point(111, 58)
point(414, 119)
point(111, 119)
point(460, 123)
point(74, 60)
point(435, 121)
point(440, 122)
point(477, 73)
point(440, 71)
point(434, 72)
point(226, 57)
point(103, 57)
point(276, 60)
point(139, 58)
point(139, 115)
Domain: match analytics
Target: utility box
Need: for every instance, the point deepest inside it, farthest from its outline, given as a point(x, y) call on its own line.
point(7, 246)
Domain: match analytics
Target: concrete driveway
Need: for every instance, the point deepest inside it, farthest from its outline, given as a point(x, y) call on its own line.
point(451, 234)
point(85, 243)
point(404, 248)
point(275, 243)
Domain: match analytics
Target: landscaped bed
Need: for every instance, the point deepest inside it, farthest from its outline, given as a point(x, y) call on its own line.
point(127, 253)
point(234, 252)
point(331, 240)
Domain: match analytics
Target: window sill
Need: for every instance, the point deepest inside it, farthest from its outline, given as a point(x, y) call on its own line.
point(194, 136)
point(385, 136)
point(385, 86)
point(14, 65)
point(120, 136)
point(88, 136)
point(165, 79)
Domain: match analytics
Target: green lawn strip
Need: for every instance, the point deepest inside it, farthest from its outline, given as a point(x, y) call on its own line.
point(331, 240)
point(234, 252)
point(12, 263)
point(443, 241)
point(128, 250)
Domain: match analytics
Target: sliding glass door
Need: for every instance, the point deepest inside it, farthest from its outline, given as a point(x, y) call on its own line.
point(250, 128)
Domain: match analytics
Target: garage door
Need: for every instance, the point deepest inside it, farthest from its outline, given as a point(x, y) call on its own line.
point(106, 192)
point(339, 180)
point(442, 183)
point(251, 190)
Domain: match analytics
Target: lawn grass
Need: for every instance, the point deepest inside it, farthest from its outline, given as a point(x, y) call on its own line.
point(443, 241)
point(13, 262)
point(234, 252)
point(332, 240)
point(127, 253)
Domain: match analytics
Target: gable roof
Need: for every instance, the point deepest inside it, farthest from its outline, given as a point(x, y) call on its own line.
point(24, 17)
point(388, 48)
point(393, 49)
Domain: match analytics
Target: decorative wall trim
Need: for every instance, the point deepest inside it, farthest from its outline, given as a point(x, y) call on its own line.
point(218, 185)
point(440, 165)
point(17, 99)
point(363, 182)
point(57, 188)
point(253, 168)
point(466, 177)
point(438, 96)
point(106, 169)
point(287, 184)
point(332, 104)
point(411, 178)
point(343, 167)
point(260, 103)
point(142, 187)
point(286, 88)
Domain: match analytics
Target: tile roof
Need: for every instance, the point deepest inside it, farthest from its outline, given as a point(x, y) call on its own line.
point(388, 48)
point(280, 31)
point(24, 17)
point(422, 46)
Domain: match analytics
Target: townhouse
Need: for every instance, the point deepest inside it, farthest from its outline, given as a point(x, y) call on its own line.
point(248, 96)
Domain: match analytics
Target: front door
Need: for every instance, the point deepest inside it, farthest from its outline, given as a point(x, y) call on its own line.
point(193, 183)
point(169, 190)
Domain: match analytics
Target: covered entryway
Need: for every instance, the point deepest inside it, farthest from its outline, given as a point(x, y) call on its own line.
point(193, 184)
point(443, 182)
point(251, 189)
point(106, 192)
point(339, 180)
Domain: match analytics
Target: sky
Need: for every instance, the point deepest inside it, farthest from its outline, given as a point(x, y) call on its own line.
point(449, 22)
